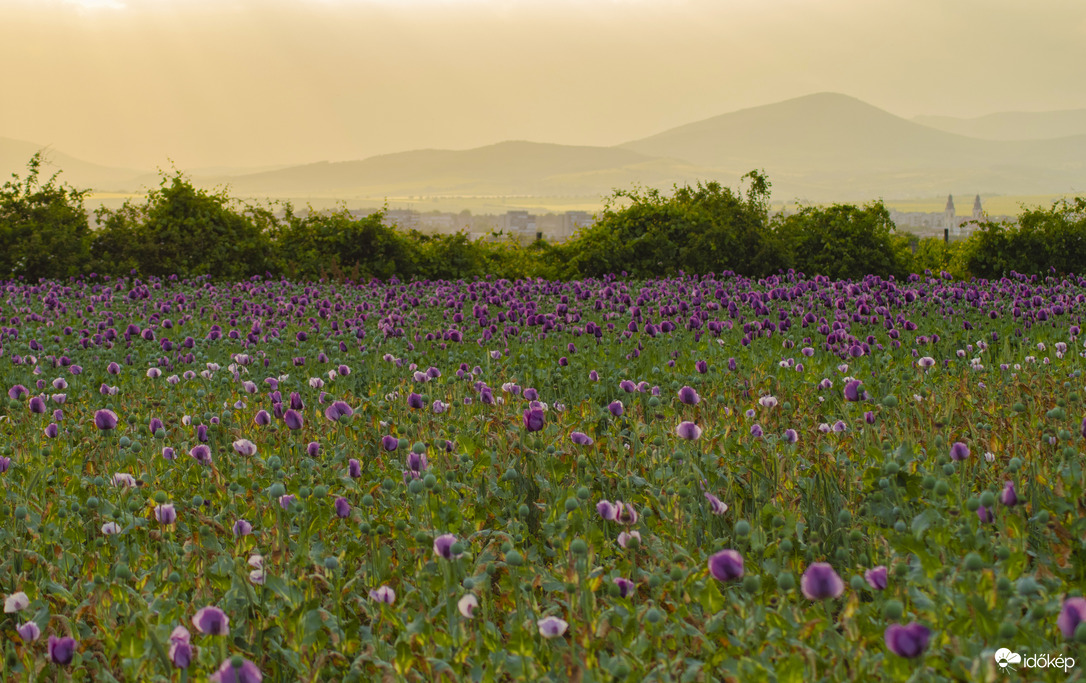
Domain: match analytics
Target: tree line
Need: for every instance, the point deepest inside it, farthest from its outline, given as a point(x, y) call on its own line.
point(180, 229)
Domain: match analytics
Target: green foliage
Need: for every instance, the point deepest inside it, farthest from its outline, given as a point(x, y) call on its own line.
point(701, 229)
point(43, 227)
point(185, 231)
point(1043, 240)
point(937, 255)
point(843, 241)
point(317, 244)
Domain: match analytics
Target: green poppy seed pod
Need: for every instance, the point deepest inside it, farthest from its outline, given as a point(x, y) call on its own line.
point(514, 558)
point(429, 481)
point(321, 491)
point(855, 536)
point(458, 548)
point(890, 401)
point(402, 444)
point(621, 670)
point(416, 486)
point(92, 503)
point(1002, 552)
point(583, 493)
point(578, 546)
point(786, 581)
point(522, 511)
point(237, 661)
point(364, 528)
point(123, 573)
point(136, 447)
point(900, 526)
point(422, 538)
point(124, 442)
point(677, 574)
point(571, 504)
point(844, 516)
point(382, 530)
point(942, 487)
point(274, 462)
point(654, 616)
point(751, 584)
point(742, 528)
point(1080, 632)
point(614, 590)
point(276, 490)
point(1042, 517)
point(987, 499)
point(857, 582)
point(197, 500)
point(367, 500)
point(134, 505)
point(973, 562)
point(20, 512)
point(892, 468)
point(468, 583)
point(418, 448)
point(787, 546)
point(331, 562)
point(972, 504)
point(892, 610)
point(1007, 630)
point(387, 484)
point(928, 482)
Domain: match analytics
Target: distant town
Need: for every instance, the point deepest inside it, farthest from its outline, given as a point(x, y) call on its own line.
point(556, 227)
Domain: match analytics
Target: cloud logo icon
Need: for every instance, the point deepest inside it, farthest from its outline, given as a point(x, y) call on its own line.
point(1005, 658)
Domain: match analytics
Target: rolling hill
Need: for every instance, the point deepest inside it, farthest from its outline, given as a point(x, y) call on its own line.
point(1013, 125)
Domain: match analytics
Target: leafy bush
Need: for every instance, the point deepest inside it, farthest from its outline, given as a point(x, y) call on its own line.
point(43, 227)
point(843, 241)
point(185, 231)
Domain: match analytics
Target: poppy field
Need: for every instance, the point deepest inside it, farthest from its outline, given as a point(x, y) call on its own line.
point(696, 478)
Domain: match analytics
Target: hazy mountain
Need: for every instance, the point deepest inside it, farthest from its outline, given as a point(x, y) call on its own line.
point(823, 147)
point(507, 168)
point(830, 146)
point(1013, 125)
point(14, 155)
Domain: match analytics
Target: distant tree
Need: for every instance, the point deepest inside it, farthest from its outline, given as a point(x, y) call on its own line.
point(843, 241)
point(186, 231)
point(700, 229)
point(44, 231)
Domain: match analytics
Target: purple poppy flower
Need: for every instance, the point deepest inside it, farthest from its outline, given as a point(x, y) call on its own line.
point(581, 439)
point(293, 419)
point(716, 506)
point(926, 362)
point(16, 602)
point(415, 401)
point(726, 565)
point(242, 528)
point(228, 673)
point(180, 648)
point(285, 500)
point(839, 426)
point(593, 376)
point(907, 641)
point(688, 431)
point(626, 514)
point(154, 425)
point(313, 449)
point(820, 582)
point(29, 631)
point(959, 451)
point(354, 468)
point(18, 391)
point(61, 650)
point(1072, 614)
point(702, 367)
point(876, 577)
point(390, 443)
point(5, 463)
point(202, 454)
point(1009, 496)
point(168, 454)
point(37, 405)
point(552, 627)
point(245, 447)
point(416, 462)
point(337, 410)
point(443, 545)
point(383, 594)
point(343, 508)
point(52, 430)
point(791, 436)
point(985, 515)
point(262, 418)
point(852, 390)
point(211, 621)
point(756, 431)
point(869, 417)
point(607, 510)
point(533, 419)
point(165, 513)
point(105, 420)
point(625, 586)
point(616, 408)
point(201, 433)
point(113, 369)
point(688, 396)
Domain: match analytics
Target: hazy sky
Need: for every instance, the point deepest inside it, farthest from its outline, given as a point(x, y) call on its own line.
point(254, 82)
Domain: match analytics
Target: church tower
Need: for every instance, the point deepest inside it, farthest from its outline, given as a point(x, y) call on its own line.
point(949, 220)
point(978, 210)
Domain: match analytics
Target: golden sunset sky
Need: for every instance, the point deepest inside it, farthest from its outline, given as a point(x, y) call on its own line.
point(260, 82)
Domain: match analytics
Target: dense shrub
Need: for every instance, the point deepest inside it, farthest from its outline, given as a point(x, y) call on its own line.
point(842, 241)
point(43, 227)
point(1043, 240)
point(701, 229)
